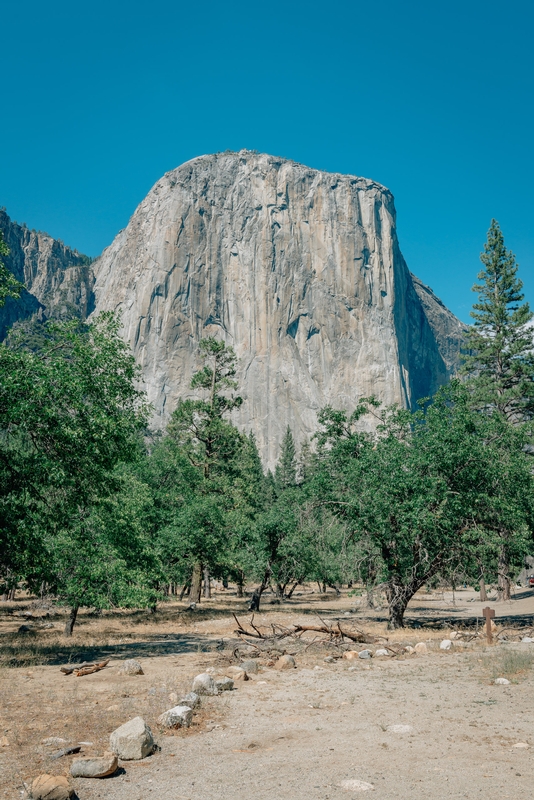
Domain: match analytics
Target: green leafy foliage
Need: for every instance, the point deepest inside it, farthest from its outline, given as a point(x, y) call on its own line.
point(9, 285)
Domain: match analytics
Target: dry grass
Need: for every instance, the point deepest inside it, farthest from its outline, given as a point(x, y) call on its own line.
point(511, 664)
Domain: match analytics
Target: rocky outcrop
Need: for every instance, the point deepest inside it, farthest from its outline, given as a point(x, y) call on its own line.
point(58, 280)
point(299, 270)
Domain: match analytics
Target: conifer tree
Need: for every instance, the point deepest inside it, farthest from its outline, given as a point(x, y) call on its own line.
point(500, 349)
point(9, 285)
point(286, 470)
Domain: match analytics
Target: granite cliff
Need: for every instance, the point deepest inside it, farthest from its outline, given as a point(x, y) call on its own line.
point(299, 270)
point(58, 280)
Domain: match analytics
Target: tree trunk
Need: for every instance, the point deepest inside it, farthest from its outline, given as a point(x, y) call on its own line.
point(483, 593)
point(398, 597)
point(69, 625)
point(240, 584)
point(370, 595)
point(257, 593)
point(207, 584)
point(279, 591)
point(504, 582)
point(196, 583)
point(290, 593)
point(12, 594)
point(185, 588)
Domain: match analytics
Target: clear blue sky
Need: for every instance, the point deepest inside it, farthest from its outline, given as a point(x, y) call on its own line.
point(433, 99)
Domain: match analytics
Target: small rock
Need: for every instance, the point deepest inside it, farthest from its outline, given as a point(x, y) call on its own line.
point(224, 684)
point(192, 607)
point(250, 666)
point(51, 787)
point(94, 767)
point(25, 629)
point(237, 674)
point(350, 655)
point(400, 728)
point(53, 741)
point(285, 662)
point(173, 697)
point(356, 786)
point(131, 667)
point(329, 659)
point(454, 635)
point(501, 681)
point(521, 745)
point(191, 699)
point(421, 647)
point(210, 670)
point(204, 684)
point(527, 639)
point(446, 644)
point(113, 708)
point(177, 717)
point(381, 652)
point(4, 741)
point(409, 649)
point(365, 654)
point(132, 741)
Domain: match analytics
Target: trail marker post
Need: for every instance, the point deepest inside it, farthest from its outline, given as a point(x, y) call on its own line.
point(489, 614)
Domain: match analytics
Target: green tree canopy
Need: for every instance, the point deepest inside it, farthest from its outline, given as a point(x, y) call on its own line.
point(499, 360)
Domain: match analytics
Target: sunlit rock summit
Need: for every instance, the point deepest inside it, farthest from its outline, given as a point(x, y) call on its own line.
point(299, 270)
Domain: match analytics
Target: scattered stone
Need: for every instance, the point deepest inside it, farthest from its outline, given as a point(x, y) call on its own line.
point(409, 649)
point(356, 786)
point(67, 751)
point(25, 629)
point(237, 674)
point(191, 699)
point(329, 659)
point(177, 717)
point(224, 684)
point(285, 662)
point(210, 670)
point(446, 644)
point(204, 684)
point(94, 767)
point(192, 607)
point(132, 741)
point(527, 639)
point(113, 708)
point(381, 652)
point(350, 654)
point(4, 741)
point(131, 667)
point(173, 697)
point(421, 647)
point(400, 728)
point(53, 741)
point(51, 787)
point(501, 681)
point(250, 666)
point(365, 654)
point(521, 745)
point(454, 635)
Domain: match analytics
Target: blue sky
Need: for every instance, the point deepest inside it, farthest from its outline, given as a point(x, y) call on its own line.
point(433, 99)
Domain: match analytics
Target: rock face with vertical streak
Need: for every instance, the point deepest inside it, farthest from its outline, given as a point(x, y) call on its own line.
point(299, 270)
point(58, 280)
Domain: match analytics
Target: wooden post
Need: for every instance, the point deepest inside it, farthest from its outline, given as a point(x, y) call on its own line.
point(489, 614)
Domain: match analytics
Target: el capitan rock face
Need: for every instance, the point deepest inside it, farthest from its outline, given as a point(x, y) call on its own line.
point(299, 270)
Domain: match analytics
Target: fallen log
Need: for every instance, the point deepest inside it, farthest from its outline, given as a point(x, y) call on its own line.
point(78, 673)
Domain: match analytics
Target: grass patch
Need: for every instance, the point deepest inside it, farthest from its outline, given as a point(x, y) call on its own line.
point(511, 664)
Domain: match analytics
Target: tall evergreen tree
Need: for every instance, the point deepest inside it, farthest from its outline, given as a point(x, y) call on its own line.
point(500, 347)
point(286, 470)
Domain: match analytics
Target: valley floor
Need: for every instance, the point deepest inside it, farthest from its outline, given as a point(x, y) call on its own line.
point(296, 734)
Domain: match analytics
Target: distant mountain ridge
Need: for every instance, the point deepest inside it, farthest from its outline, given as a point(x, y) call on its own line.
point(299, 270)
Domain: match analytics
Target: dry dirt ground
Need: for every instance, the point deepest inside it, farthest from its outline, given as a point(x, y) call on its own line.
point(298, 734)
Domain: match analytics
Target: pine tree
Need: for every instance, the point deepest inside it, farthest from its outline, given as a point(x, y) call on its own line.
point(9, 285)
point(286, 470)
point(499, 361)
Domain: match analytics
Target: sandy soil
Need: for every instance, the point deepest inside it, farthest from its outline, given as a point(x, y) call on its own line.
point(297, 734)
